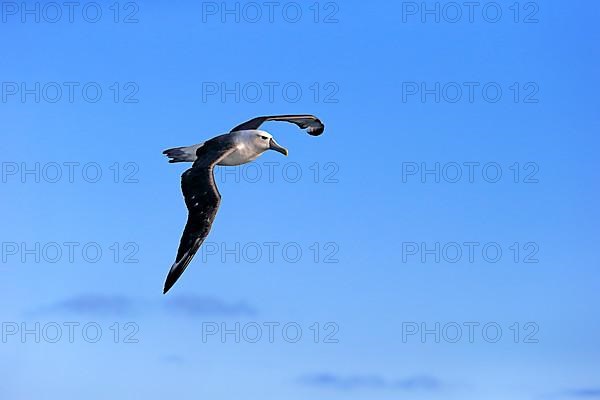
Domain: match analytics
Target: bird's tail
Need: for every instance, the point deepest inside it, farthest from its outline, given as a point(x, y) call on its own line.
point(183, 154)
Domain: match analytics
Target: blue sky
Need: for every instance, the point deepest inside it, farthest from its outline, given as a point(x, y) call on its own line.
point(338, 241)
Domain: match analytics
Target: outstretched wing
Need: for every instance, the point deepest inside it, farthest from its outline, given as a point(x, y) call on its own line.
point(311, 123)
point(202, 199)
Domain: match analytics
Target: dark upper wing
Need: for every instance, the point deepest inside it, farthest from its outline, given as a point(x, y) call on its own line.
point(202, 199)
point(311, 123)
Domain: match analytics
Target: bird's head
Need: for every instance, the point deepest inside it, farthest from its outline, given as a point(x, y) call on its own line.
point(264, 141)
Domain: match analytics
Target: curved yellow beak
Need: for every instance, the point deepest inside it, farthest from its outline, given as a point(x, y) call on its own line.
point(273, 145)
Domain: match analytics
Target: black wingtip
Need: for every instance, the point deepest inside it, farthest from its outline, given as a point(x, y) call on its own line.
point(316, 131)
point(169, 282)
point(178, 269)
point(167, 288)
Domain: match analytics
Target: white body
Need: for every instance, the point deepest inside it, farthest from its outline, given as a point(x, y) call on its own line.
point(248, 149)
point(250, 145)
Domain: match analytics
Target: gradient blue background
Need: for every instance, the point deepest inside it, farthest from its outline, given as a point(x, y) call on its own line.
point(369, 213)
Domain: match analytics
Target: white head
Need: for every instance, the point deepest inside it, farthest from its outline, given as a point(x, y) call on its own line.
point(262, 141)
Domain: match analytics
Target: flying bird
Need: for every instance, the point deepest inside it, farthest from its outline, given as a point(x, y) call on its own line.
point(243, 144)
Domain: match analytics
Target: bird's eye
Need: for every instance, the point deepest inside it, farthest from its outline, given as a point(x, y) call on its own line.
point(264, 137)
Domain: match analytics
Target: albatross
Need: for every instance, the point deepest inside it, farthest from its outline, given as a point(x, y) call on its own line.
point(245, 143)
